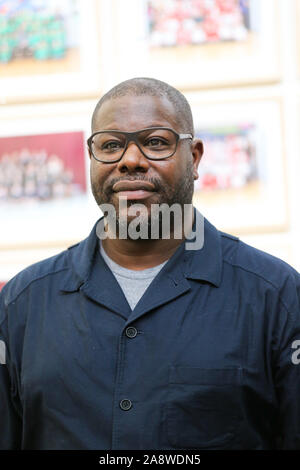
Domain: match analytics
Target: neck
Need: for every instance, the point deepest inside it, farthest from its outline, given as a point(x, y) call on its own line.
point(138, 255)
point(144, 253)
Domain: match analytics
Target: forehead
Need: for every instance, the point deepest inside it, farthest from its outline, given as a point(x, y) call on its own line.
point(130, 113)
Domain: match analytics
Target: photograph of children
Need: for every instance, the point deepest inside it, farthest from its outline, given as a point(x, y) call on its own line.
point(241, 183)
point(184, 22)
point(38, 36)
point(42, 167)
point(230, 158)
point(199, 43)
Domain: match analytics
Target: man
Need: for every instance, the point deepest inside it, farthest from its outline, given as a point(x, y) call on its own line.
point(139, 342)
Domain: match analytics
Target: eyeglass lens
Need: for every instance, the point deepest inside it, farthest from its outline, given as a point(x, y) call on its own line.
point(155, 143)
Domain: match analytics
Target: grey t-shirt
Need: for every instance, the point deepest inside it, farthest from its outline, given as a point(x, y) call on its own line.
point(133, 283)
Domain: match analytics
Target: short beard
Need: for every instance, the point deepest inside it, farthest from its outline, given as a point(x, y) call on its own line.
point(181, 194)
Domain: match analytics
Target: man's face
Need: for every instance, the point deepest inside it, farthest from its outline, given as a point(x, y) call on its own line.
point(169, 181)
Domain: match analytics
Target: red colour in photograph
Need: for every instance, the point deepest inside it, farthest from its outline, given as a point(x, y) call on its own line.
point(42, 167)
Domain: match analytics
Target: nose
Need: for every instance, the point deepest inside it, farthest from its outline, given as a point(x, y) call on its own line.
point(133, 160)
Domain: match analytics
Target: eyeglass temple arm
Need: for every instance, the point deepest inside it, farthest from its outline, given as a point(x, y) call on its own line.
point(185, 136)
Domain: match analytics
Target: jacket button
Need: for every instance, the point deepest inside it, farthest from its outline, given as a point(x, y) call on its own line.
point(125, 405)
point(131, 332)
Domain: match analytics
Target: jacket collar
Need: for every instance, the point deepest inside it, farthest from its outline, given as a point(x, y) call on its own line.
point(204, 264)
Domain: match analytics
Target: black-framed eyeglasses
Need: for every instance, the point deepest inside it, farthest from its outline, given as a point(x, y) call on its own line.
point(155, 143)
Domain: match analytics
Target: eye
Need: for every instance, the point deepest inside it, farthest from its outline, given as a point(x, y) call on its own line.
point(111, 146)
point(156, 142)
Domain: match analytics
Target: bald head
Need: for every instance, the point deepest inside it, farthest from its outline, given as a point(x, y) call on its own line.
point(151, 87)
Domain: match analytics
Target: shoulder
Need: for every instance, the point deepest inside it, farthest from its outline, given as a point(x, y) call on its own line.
point(260, 263)
point(52, 275)
point(46, 270)
point(260, 267)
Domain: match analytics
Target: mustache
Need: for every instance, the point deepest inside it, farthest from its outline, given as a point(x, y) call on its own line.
point(155, 181)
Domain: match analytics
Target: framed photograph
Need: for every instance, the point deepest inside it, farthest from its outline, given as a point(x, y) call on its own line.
point(50, 49)
point(242, 182)
point(199, 43)
point(44, 175)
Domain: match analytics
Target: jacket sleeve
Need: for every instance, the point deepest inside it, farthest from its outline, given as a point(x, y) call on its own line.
point(10, 419)
point(287, 368)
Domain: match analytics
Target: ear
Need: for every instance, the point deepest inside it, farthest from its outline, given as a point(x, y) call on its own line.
point(197, 152)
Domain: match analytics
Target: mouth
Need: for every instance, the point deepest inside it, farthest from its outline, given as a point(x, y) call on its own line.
point(133, 185)
point(135, 189)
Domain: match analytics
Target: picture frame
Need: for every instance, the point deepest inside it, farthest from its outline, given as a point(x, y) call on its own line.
point(45, 200)
point(251, 59)
point(51, 52)
point(242, 175)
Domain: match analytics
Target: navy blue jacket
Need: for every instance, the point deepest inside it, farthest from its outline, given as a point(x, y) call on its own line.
point(208, 359)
